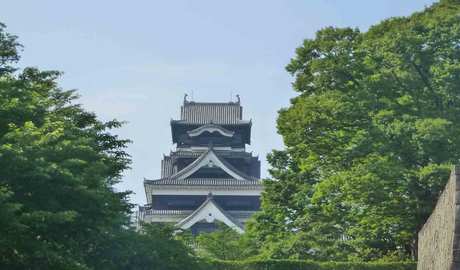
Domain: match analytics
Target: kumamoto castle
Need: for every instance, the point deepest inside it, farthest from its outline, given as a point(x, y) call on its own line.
point(209, 177)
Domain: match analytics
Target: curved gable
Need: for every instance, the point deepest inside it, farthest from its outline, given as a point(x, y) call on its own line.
point(210, 159)
point(210, 211)
point(210, 128)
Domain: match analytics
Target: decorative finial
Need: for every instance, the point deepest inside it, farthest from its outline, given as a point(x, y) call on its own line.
point(238, 100)
point(210, 195)
point(185, 98)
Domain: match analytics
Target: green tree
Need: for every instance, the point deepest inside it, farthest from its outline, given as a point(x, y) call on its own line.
point(154, 248)
point(58, 165)
point(223, 244)
point(370, 140)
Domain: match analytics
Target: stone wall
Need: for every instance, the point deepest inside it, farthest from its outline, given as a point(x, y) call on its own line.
point(439, 239)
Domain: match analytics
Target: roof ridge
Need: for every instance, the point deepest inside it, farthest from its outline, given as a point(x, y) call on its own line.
point(210, 103)
point(239, 122)
point(250, 179)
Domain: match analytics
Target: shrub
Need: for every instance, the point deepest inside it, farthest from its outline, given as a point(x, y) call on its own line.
point(306, 265)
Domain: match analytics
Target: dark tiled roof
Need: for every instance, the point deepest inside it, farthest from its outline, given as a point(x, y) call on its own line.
point(220, 153)
point(210, 200)
point(192, 166)
point(167, 168)
point(146, 211)
point(217, 113)
point(240, 123)
point(203, 182)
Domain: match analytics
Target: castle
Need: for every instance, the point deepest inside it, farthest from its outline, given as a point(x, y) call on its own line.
point(209, 177)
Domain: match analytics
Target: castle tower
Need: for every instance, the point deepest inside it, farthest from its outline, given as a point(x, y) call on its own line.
point(209, 177)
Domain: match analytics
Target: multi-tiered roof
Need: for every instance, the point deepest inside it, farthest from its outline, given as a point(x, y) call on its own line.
point(209, 176)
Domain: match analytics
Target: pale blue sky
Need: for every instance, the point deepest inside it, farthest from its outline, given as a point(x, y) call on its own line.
point(134, 60)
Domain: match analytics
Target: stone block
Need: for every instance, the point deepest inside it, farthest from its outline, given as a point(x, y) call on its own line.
point(439, 239)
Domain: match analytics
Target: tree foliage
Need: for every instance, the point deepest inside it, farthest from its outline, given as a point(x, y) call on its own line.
point(269, 264)
point(223, 244)
point(155, 248)
point(58, 165)
point(369, 140)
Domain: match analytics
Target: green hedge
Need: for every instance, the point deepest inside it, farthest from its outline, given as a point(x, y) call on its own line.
point(305, 265)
